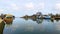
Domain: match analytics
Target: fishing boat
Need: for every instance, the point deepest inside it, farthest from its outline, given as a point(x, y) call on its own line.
point(8, 18)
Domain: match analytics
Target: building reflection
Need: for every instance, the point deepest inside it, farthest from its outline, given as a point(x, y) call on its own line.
point(39, 21)
point(2, 24)
point(57, 20)
point(52, 20)
point(25, 18)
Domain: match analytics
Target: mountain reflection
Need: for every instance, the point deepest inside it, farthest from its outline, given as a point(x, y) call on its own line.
point(2, 24)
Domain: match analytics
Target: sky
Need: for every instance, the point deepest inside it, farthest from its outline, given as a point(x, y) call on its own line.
point(29, 7)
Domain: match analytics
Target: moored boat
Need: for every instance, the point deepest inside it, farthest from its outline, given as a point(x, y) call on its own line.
point(47, 17)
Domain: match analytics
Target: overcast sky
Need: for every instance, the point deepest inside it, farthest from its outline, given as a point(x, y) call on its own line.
point(29, 7)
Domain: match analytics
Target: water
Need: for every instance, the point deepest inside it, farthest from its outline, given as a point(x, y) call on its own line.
point(28, 26)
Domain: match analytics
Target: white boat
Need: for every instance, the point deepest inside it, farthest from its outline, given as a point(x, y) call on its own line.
point(47, 17)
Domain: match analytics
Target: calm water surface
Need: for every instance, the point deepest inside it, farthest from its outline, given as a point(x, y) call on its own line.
point(39, 26)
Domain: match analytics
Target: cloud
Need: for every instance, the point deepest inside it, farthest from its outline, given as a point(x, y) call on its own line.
point(57, 6)
point(1, 10)
point(11, 7)
point(29, 6)
point(14, 6)
point(40, 6)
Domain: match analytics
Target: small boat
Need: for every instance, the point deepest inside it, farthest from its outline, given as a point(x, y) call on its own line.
point(47, 17)
point(8, 18)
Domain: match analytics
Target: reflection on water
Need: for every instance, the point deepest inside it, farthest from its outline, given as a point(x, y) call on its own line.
point(32, 26)
point(57, 20)
point(52, 20)
point(25, 18)
point(41, 20)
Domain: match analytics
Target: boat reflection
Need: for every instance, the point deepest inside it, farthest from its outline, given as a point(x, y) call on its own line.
point(39, 21)
point(2, 24)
